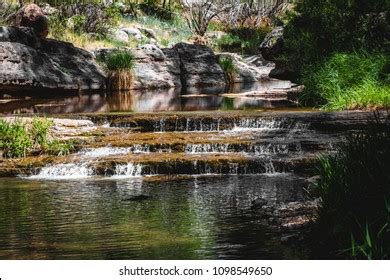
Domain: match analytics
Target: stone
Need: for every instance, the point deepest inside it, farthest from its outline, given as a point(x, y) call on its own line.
point(132, 33)
point(246, 70)
point(155, 68)
point(120, 36)
point(47, 10)
point(150, 33)
point(153, 51)
point(199, 66)
point(32, 16)
point(29, 62)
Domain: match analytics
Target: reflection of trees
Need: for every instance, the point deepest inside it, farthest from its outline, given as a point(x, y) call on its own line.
point(204, 217)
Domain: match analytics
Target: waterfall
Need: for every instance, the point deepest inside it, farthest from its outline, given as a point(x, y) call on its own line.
point(128, 170)
point(64, 171)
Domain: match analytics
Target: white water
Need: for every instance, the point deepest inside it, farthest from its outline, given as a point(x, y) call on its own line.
point(113, 151)
point(256, 150)
point(64, 171)
point(128, 170)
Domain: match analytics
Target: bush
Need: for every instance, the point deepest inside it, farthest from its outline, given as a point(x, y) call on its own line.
point(228, 67)
point(14, 139)
point(19, 139)
point(320, 28)
point(348, 81)
point(242, 39)
point(40, 130)
point(354, 184)
point(120, 60)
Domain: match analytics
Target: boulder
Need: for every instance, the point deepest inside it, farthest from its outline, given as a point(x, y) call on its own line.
point(150, 33)
point(248, 69)
point(155, 68)
point(29, 62)
point(120, 36)
point(132, 33)
point(32, 16)
point(199, 66)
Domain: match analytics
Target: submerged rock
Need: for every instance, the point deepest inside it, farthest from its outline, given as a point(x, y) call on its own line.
point(29, 62)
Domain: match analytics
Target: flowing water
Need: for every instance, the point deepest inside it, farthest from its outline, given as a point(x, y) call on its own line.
point(162, 186)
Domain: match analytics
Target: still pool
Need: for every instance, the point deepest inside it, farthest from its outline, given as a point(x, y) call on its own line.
point(197, 217)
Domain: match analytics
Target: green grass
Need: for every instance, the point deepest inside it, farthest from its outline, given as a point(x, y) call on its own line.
point(227, 65)
point(348, 81)
point(120, 60)
point(354, 185)
point(15, 141)
point(20, 139)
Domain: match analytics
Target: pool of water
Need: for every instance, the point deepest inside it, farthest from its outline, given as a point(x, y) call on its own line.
point(197, 217)
point(196, 99)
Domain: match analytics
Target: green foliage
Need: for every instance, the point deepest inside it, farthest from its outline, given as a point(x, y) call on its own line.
point(40, 130)
point(59, 148)
point(120, 60)
point(319, 28)
point(242, 39)
point(19, 139)
point(348, 81)
point(227, 65)
point(354, 186)
point(15, 141)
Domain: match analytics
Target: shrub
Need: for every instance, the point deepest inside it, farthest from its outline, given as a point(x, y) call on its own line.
point(347, 81)
point(319, 28)
point(14, 139)
point(40, 130)
point(120, 60)
point(354, 186)
point(228, 67)
point(242, 39)
point(59, 148)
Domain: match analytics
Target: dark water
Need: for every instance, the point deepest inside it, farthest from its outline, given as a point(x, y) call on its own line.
point(146, 101)
point(188, 218)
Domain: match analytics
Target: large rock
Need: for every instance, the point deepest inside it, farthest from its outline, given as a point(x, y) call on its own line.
point(248, 69)
point(199, 66)
point(28, 62)
point(32, 16)
point(154, 68)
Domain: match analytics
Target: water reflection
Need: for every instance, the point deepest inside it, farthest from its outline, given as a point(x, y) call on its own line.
point(193, 99)
point(192, 218)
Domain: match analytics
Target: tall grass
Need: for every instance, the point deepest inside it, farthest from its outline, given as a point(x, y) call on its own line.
point(349, 81)
point(119, 65)
point(354, 185)
point(228, 67)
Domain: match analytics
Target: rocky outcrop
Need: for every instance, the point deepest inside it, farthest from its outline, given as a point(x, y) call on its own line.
point(199, 66)
point(271, 47)
point(248, 69)
point(29, 62)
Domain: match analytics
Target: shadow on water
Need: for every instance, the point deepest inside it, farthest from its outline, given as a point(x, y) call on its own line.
point(183, 218)
point(193, 99)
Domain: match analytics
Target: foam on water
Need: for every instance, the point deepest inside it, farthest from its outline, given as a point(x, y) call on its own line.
point(113, 151)
point(64, 171)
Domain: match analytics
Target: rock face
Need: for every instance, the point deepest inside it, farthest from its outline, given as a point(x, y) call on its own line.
point(270, 48)
point(28, 62)
point(248, 69)
point(32, 16)
point(199, 66)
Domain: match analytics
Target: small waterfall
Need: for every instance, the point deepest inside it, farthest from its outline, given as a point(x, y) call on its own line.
point(206, 148)
point(64, 171)
point(114, 151)
point(128, 170)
